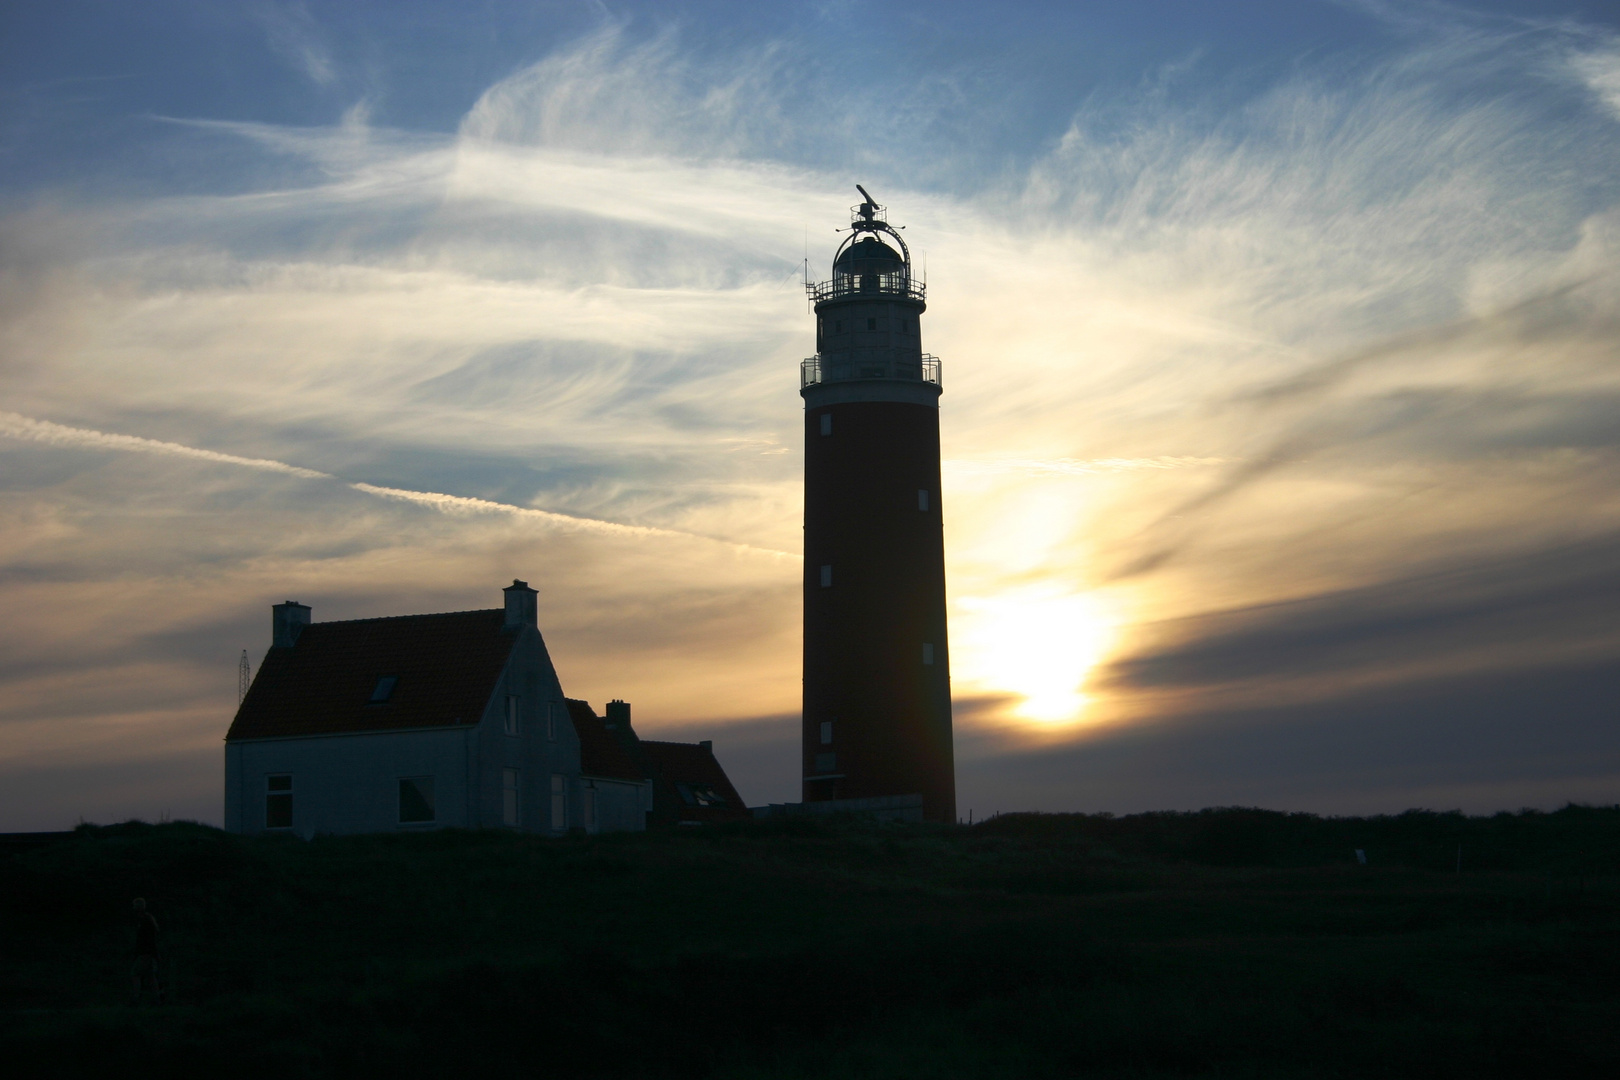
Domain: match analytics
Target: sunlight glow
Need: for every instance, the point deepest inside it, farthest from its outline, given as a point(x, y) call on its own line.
point(1038, 642)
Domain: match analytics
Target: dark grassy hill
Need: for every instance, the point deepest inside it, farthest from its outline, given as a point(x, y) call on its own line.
point(1224, 943)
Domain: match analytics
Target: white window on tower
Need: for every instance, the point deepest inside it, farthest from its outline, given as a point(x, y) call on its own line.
point(826, 577)
point(509, 797)
point(826, 423)
point(559, 801)
point(922, 499)
point(512, 710)
point(928, 653)
point(826, 732)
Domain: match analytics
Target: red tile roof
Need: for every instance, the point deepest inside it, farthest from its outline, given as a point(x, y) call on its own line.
point(599, 752)
point(679, 766)
point(447, 667)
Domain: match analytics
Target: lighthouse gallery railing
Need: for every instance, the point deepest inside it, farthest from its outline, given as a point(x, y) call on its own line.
point(843, 285)
point(814, 370)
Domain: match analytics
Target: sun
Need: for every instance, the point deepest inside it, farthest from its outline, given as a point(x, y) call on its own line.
point(1038, 642)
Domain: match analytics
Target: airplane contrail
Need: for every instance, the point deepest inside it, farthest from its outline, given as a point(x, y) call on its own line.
point(17, 426)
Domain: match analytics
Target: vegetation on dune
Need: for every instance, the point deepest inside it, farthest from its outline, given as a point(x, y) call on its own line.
point(1228, 942)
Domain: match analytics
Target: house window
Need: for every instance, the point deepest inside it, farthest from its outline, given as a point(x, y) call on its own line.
point(826, 732)
point(559, 801)
point(922, 499)
point(383, 690)
point(826, 577)
point(552, 709)
point(512, 701)
point(509, 797)
point(826, 763)
point(588, 808)
point(871, 324)
point(826, 423)
point(278, 792)
point(415, 800)
point(928, 654)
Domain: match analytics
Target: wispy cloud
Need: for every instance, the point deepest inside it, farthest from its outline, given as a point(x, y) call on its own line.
point(1073, 466)
point(295, 36)
point(1600, 68)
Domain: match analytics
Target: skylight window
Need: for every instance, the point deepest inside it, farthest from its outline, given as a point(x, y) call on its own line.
point(700, 795)
point(383, 690)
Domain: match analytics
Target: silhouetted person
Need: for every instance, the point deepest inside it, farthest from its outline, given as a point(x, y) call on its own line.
point(146, 953)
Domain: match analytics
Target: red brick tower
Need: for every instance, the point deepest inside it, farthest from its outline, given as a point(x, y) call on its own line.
point(877, 690)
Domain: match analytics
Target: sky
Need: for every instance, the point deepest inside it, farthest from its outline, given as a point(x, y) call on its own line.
point(1280, 345)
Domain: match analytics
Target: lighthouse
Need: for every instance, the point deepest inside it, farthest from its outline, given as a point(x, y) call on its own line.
point(877, 688)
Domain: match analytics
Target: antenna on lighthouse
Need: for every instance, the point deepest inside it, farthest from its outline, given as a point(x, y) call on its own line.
point(243, 678)
point(869, 207)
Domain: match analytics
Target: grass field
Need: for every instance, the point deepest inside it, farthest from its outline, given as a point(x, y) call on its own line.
point(1232, 943)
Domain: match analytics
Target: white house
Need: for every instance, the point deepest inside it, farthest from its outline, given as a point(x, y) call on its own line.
point(420, 722)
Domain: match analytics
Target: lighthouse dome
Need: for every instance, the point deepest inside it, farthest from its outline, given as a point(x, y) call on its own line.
point(869, 256)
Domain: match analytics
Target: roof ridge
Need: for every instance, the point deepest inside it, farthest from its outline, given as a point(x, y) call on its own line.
point(419, 615)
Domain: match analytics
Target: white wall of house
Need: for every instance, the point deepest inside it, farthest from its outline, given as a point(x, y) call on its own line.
point(350, 783)
point(614, 805)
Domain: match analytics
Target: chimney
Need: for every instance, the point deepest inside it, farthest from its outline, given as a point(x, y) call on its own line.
point(520, 605)
point(618, 714)
point(287, 621)
point(708, 745)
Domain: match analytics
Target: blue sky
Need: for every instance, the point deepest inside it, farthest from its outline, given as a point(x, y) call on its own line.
point(1279, 343)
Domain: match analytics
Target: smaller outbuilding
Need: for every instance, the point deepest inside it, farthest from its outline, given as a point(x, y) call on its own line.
point(434, 721)
point(689, 786)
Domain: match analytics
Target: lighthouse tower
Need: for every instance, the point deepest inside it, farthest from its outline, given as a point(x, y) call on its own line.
point(877, 690)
